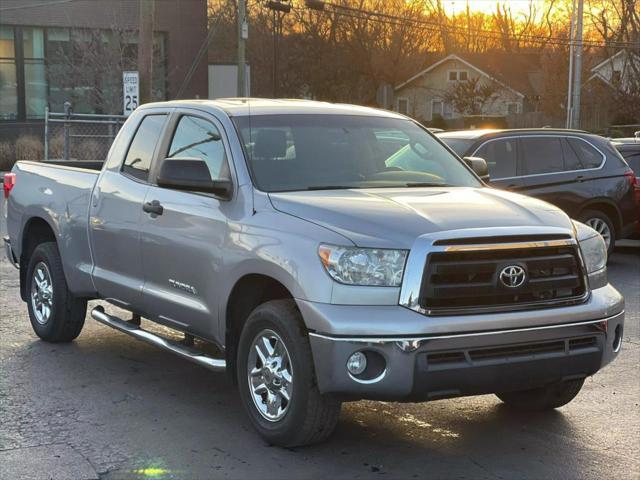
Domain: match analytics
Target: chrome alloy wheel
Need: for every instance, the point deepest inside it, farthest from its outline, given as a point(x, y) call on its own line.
point(602, 228)
point(270, 375)
point(42, 293)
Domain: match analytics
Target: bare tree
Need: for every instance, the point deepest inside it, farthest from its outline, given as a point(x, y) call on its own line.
point(86, 69)
point(472, 96)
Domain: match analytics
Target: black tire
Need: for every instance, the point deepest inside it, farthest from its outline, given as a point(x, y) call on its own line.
point(67, 312)
point(548, 397)
point(592, 217)
point(310, 417)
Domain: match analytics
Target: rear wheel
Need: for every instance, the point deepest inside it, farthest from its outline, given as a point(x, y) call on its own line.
point(602, 224)
point(277, 381)
point(56, 315)
point(544, 398)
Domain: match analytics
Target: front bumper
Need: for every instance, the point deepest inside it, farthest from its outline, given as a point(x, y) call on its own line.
point(473, 361)
point(9, 252)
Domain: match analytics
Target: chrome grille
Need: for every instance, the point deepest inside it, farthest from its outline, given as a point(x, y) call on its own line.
point(468, 279)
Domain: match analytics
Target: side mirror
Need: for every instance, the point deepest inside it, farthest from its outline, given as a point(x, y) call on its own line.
point(479, 166)
point(191, 174)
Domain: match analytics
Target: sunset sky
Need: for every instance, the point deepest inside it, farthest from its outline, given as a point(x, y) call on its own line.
point(489, 6)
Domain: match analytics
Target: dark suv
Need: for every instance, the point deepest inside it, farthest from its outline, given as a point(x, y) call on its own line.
point(581, 173)
point(630, 150)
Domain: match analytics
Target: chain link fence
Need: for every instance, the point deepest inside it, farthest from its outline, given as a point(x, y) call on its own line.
point(77, 136)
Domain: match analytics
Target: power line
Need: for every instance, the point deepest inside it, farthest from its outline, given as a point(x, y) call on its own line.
point(390, 19)
point(36, 5)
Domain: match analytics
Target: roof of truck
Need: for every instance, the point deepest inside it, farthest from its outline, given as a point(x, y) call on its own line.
point(264, 106)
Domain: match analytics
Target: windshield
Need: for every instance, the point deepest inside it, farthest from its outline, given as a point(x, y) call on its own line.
point(315, 152)
point(458, 145)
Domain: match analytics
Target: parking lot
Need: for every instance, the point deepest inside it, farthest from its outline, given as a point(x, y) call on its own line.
point(107, 406)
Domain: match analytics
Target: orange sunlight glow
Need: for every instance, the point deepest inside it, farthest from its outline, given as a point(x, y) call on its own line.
point(517, 7)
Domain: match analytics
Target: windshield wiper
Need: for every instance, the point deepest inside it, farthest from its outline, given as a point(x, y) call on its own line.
point(426, 184)
point(406, 185)
point(330, 187)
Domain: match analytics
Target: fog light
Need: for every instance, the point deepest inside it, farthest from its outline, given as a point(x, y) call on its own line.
point(617, 339)
point(357, 363)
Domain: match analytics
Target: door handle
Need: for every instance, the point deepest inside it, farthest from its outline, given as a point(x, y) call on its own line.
point(153, 207)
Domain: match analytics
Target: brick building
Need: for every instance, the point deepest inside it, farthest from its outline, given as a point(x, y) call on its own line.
point(57, 50)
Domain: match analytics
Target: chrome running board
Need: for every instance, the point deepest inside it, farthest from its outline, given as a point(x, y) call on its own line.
point(172, 346)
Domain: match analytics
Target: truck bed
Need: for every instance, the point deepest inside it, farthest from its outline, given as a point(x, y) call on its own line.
point(82, 164)
point(60, 196)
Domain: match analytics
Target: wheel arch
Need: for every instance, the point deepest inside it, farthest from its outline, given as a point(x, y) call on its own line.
point(247, 293)
point(36, 231)
point(607, 207)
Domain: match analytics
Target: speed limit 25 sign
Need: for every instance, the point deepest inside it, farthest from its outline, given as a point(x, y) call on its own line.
point(130, 91)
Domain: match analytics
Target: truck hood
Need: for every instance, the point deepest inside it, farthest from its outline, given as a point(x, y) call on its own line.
point(394, 218)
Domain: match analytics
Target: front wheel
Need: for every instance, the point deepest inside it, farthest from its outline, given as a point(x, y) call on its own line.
point(276, 378)
point(548, 397)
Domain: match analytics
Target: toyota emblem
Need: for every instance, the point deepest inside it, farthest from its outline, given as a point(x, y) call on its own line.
point(513, 276)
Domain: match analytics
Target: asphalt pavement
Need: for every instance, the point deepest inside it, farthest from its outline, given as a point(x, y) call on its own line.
point(109, 407)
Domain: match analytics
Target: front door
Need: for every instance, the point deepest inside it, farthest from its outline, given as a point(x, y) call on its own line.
point(501, 155)
point(182, 246)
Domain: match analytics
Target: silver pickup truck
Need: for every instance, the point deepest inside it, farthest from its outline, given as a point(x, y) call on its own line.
point(330, 252)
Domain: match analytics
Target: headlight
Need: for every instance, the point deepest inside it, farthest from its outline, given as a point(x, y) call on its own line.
point(594, 253)
point(363, 266)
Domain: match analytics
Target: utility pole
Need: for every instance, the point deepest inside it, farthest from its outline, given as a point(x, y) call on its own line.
point(243, 34)
point(570, 81)
point(145, 49)
point(577, 70)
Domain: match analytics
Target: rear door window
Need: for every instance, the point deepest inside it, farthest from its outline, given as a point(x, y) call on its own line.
point(501, 157)
point(541, 155)
point(588, 155)
point(138, 160)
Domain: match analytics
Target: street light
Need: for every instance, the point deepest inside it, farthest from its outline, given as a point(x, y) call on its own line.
point(279, 8)
point(314, 4)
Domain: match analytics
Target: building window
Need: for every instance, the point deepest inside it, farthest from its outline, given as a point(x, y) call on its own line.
point(513, 108)
point(436, 108)
point(616, 77)
point(403, 106)
point(448, 111)
point(458, 75)
point(8, 78)
point(35, 77)
point(159, 67)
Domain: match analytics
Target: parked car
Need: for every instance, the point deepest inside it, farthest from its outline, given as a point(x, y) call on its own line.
point(631, 153)
point(634, 140)
point(576, 171)
point(281, 232)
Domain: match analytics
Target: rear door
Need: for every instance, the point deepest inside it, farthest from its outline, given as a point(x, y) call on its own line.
point(116, 210)
point(182, 248)
point(501, 155)
point(551, 170)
